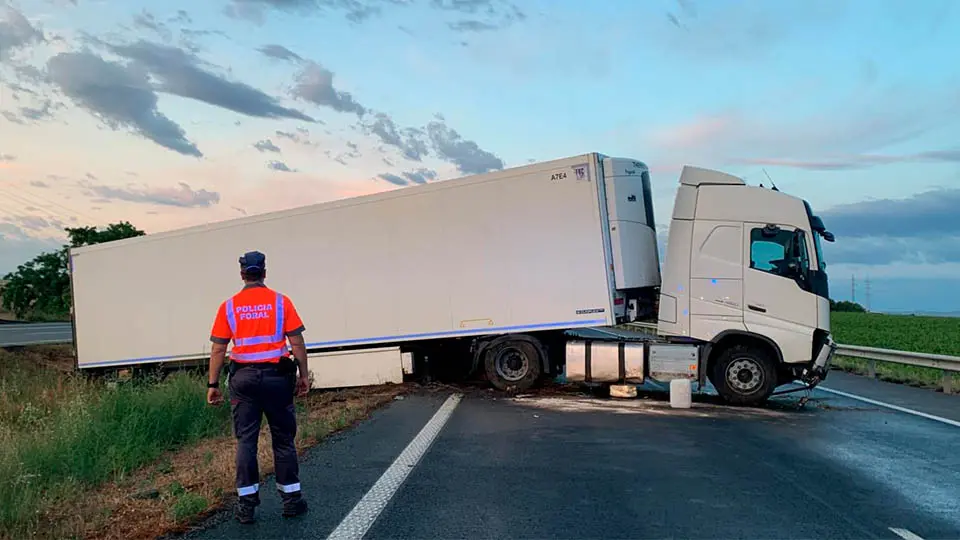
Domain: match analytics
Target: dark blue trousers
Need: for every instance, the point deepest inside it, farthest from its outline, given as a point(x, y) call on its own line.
point(257, 390)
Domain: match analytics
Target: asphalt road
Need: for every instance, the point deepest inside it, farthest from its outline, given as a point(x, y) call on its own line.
point(571, 466)
point(35, 334)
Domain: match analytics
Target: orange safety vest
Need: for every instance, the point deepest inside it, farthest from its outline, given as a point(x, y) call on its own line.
point(256, 319)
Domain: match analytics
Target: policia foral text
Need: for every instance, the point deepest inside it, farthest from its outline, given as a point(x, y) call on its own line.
point(263, 380)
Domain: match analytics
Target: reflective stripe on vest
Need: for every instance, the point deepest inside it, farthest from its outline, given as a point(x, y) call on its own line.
point(276, 337)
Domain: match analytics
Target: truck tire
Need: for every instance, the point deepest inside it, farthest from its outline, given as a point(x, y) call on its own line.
point(513, 365)
point(744, 375)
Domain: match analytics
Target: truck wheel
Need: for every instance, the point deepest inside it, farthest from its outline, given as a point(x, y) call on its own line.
point(744, 375)
point(513, 364)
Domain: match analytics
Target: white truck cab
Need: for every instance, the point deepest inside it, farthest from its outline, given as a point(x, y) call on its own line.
point(745, 273)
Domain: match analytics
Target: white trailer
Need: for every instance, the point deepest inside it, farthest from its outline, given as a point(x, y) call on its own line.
point(487, 273)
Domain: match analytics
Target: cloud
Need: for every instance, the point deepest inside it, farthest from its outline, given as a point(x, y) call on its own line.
point(393, 179)
point(417, 176)
point(444, 141)
point(472, 26)
point(856, 128)
point(724, 31)
point(500, 14)
point(359, 11)
point(39, 184)
point(279, 166)
point(266, 145)
point(182, 17)
point(921, 229)
point(881, 250)
point(279, 52)
point(120, 96)
point(18, 247)
point(7, 158)
point(301, 137)
point(930, 213)
point(32, 223)
point(149, 21)
point(491, 8)
point(184, 197)
point(180, 73)
point(409, 140)
point(315, 84)
point(466, 155)
point(861, 161)
point(16, 32)
point(354, 10)
point(23, 114)
point(421, 175)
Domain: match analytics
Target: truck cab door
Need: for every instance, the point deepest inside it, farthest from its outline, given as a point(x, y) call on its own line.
point(776, 299)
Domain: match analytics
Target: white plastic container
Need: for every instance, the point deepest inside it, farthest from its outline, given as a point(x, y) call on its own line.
point(681, 394)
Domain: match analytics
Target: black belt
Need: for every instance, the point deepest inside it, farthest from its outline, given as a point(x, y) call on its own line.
point(285, 364)
point(257, 365)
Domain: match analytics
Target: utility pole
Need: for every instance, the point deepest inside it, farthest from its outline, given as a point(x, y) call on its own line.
point(853, 287)
point(868, 293)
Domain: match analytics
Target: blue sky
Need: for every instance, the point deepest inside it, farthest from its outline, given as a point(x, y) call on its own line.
point(173, 113)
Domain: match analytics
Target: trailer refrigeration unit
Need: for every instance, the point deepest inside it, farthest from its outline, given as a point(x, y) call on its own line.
point(494, 274)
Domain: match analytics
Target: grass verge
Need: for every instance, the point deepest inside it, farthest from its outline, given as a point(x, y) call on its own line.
point(93, 459)
point(897, 373)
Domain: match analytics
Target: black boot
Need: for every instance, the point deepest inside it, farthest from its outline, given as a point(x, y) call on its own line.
point(245, 509)
point(293, 504)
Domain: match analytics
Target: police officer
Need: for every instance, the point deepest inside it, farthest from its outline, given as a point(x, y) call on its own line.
point(263, 380)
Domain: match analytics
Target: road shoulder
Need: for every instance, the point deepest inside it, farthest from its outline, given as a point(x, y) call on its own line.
point(901, 395)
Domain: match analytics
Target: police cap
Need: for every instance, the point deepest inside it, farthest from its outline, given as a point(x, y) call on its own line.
point(253, 260)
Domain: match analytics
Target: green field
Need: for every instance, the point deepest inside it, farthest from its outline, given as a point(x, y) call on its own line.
point(937, 335)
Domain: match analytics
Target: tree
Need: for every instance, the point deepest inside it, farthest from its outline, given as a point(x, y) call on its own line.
point(846, 305)
point(40, 288)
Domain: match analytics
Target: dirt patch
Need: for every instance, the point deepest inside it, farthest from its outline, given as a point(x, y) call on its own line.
point(184, 487)
point(37, 358)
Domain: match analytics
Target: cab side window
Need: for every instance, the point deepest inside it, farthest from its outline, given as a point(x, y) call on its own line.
point(770, 251)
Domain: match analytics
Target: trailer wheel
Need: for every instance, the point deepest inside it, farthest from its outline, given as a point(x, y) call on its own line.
point(513, 364)
point(744, 375)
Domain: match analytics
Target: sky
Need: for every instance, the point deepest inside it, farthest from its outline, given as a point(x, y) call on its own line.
point(174, 113)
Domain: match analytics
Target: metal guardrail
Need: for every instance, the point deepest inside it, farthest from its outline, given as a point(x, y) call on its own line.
point(935, 361)
point(945, 363)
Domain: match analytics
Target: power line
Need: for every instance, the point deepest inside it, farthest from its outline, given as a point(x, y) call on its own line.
point(17, 198)
point(71, 212)
point(68, 209)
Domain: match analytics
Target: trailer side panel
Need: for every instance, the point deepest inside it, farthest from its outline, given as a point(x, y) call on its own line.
point(515, 250)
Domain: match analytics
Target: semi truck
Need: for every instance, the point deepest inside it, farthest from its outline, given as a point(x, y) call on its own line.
point(514, 275)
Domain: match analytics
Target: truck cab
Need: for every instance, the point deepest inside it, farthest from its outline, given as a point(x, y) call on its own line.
point(745, 274)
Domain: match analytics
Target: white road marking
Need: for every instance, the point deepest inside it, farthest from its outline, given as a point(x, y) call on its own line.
point(905, 534)
point(947, 421)
point(365, 513)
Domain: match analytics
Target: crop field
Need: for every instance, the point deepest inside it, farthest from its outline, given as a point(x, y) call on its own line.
point(937, 335)
point(96, 458)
